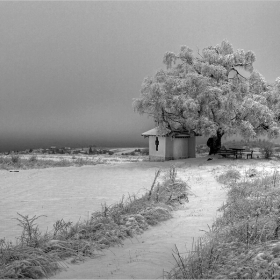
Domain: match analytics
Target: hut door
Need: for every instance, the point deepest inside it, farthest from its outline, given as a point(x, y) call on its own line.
point(157, 143)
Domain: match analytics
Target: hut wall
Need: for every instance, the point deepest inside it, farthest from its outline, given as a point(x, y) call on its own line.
point(155, 155)
point(169, 148)
point(192, 147)
point(180, 148)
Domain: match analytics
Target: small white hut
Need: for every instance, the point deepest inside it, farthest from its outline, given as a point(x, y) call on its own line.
point(170, 146)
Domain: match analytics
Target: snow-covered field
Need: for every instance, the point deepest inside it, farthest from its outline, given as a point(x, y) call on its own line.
point(72, 193)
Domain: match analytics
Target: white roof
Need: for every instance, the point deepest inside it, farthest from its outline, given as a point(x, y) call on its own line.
point(155, 132)
point(176, 134)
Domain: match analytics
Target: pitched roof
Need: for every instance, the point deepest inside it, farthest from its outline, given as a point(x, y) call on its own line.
point(174, 133)
point(155, 132)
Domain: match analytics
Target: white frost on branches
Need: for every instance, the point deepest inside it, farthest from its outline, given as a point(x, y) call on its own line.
point(196, 93)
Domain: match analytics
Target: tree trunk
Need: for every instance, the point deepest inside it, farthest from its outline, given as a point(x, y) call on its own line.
point(215, 142)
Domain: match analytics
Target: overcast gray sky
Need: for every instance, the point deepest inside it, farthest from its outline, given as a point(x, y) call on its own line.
point(69, 70)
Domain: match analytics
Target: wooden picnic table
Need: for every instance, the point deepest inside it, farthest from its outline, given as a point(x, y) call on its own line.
point(240, 152)
point(238, 149)
point(225, 152)
point(236, 152)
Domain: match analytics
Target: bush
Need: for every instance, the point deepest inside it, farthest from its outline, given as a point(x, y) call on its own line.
point(267, 149)
point(232, 175)
point(145, 152)
point(15, 158)
point(33, 158)
point(5, 160)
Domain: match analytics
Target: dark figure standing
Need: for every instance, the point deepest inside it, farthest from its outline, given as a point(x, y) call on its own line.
point(215, 142)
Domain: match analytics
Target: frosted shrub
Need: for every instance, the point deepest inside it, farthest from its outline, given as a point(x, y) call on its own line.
point(15, 158)
point(33, 158)
point(232, 175)
point(267, 149)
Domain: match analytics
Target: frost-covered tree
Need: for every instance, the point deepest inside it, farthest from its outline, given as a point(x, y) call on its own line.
point(213, 93)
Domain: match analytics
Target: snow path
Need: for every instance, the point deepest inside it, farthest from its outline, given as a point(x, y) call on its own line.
point(146, 256)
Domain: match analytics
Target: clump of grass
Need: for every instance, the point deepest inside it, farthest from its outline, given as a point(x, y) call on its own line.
point(28, 259)
point(26, 262)
point(39, 255)
point(231, 175)
point(5, 162)
point(15, 159)
point(244, 242)
point(87, 161)
point(33, 158)
point(17, 162)
point(31, 235)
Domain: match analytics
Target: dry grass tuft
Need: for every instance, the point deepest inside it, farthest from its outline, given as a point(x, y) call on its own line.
point(231, 175)
point(26, 262)
point(244, 242)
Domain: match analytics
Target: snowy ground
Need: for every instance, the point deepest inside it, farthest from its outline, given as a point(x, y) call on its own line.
point(72, 193)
